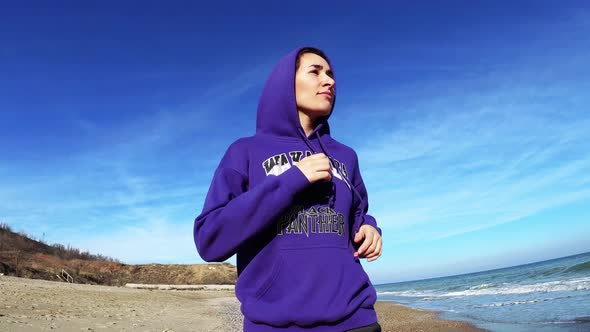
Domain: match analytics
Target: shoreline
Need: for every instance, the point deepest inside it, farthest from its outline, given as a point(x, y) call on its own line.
point(42, 305)
point(396, 317)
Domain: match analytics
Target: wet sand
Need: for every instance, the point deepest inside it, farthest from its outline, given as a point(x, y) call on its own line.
point(394, 317)
point(40, 305)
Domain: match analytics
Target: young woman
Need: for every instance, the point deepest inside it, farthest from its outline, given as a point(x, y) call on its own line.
point(291, 203)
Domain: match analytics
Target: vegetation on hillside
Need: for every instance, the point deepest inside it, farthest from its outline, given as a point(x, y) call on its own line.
point(24, 256)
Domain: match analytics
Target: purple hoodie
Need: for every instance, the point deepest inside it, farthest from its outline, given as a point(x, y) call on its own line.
point(293, 239)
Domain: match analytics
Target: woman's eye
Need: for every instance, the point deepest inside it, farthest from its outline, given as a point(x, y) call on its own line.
point(314, 72)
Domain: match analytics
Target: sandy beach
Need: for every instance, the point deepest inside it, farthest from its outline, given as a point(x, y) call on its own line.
point(40, 305)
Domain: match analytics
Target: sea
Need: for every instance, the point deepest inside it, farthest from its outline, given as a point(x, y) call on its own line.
point(552, 295)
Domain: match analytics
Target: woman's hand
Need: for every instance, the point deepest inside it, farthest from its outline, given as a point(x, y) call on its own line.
point(316, 167)
point(371, 247)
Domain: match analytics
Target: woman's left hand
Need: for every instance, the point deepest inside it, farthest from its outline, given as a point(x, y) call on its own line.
point(371, 247)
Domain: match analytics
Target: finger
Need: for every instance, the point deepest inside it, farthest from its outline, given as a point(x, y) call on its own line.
point(373, 259)
point(372, 247)
point(368, 241)
point(376, 240)
point(377, 252)
point(324, 168)
point(325, 175)
point(359, 236)
point(322, 163)
point(379, 248)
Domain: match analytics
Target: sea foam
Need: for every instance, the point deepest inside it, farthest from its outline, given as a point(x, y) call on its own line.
point(506, 288)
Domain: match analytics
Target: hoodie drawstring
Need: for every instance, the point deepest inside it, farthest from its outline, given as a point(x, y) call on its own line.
point(332, 198)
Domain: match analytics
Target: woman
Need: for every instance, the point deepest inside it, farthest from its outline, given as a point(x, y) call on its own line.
point(291, 203)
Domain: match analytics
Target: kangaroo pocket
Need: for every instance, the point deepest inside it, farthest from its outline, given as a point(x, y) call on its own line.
point(310, 286)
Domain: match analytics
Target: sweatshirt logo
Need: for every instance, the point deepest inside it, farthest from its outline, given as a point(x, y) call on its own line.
point(321, 219)
point(280, 163)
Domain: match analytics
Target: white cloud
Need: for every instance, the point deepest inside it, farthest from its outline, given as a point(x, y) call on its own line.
point(469, 161)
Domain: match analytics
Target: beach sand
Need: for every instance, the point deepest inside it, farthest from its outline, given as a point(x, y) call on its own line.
point(394, 317)
point(40, 305)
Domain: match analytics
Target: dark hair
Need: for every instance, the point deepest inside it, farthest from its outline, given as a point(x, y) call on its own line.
point(313, 50)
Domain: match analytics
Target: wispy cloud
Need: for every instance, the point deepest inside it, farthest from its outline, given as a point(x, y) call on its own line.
point(135, 186)
point(472, 160)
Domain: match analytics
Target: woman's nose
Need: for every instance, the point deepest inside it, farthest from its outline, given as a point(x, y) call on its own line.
point(329, 81)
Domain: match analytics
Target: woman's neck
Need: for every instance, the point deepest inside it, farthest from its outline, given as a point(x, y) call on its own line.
point(308, 124)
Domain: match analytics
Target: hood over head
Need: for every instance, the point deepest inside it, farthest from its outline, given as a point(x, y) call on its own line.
point(277, 109)
point(278, 116)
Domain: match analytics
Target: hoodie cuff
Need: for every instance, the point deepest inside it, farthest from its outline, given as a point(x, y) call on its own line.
point(369, 220)
point(293, 180)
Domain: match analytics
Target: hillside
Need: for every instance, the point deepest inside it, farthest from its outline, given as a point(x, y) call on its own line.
point(23, 256)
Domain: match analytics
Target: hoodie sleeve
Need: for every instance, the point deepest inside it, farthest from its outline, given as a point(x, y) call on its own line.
point(233, 212)
point(361, 206)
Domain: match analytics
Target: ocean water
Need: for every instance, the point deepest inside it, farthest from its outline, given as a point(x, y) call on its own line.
point(552, 295)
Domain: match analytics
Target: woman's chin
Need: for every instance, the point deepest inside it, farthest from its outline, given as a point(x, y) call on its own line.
point(323, 114)
point(323, 111)
point(317, 112)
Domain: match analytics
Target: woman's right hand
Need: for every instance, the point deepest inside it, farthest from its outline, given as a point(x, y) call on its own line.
point(316, 167)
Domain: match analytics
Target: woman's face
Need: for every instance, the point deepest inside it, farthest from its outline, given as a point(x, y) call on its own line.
point(314, 86)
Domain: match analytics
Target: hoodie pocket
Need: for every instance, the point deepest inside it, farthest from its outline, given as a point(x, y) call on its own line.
point(267, 283)
point(258, 276)
point(311, 286)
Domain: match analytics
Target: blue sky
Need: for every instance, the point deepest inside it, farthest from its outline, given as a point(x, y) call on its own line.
point(471, 121)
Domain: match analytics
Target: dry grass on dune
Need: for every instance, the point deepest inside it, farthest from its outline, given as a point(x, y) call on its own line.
point(22, 256)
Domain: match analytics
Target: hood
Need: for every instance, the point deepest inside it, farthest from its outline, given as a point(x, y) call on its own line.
point(277, 113)
point(277, 109)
